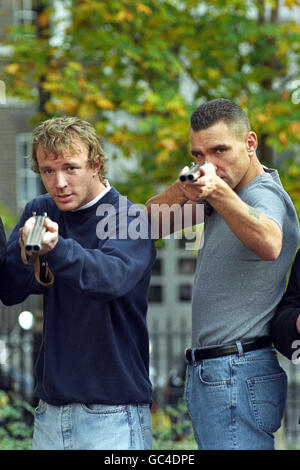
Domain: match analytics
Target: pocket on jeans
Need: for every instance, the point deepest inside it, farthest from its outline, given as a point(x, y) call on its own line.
point(214, 376)
point(103, 409)
point(268, 397)
point(41, 408)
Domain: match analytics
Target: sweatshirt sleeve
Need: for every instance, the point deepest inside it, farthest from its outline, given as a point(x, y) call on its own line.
point(17, 280)
point(2, 242)
point(109, 271)
point(284, 331)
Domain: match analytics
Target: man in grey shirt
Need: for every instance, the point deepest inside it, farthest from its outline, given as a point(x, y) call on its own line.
point(234, 289)
point(235, 388)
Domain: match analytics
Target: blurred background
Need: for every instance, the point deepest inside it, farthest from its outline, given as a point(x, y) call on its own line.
point(136, 70)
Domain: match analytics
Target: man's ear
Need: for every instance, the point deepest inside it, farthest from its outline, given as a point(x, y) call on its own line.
point(96, 165)
point(251, 142)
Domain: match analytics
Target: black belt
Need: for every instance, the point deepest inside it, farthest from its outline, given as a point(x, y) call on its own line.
point(227, 349)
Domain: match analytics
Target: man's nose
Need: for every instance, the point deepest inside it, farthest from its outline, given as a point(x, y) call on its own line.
point(61, 180)
point(203, 159)
point(209, 159)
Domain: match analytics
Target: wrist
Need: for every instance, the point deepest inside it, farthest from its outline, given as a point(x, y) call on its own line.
point(222, 193)
point(179, 195)
point(298, 324)
point(173, 195)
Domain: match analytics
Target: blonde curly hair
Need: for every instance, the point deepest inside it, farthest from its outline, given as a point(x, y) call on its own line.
point(60, 133)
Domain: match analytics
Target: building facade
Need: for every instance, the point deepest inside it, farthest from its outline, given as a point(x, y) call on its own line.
point(169, 316)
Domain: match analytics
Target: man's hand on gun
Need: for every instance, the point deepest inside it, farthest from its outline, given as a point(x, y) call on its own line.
point(39, 235)
point(198, 181)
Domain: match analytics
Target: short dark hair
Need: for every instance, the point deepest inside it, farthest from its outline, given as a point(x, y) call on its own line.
point(220, 110)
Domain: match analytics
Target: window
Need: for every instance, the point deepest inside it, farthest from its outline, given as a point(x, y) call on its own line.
point(185, 293)
point(186, 265)
point(28, 183)
point(23, 12)
point(157, 267)
point(155, 294)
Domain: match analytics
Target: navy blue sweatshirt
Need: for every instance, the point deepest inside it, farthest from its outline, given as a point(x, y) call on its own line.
point(284, 332)
point(2, 242)
point(95, 346)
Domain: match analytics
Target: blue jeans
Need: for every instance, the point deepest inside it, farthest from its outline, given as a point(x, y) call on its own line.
point(238, 401)
point(92, 427)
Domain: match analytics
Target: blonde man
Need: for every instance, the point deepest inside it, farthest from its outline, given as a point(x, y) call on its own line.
point(92, 369)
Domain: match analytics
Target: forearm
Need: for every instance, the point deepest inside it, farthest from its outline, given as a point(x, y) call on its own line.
point(17, 280)
point(172, 195)
point(298, 323)
point(254, 229)
point(108, 272)
point(171, 211)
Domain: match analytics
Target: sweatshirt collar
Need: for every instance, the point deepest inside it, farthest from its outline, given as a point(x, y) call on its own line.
point(96, 199)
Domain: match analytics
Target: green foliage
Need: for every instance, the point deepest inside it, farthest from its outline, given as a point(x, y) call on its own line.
point(172, 428)
point(134, 57)
point(16, 419)
point(290, 177)
point(9, 221)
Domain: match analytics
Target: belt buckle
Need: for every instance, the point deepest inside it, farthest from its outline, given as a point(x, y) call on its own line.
point(192, 353)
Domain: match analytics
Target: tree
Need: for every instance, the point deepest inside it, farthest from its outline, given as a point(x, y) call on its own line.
point(138, 69)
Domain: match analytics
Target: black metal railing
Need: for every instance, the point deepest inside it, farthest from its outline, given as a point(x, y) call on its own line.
point(18, 351)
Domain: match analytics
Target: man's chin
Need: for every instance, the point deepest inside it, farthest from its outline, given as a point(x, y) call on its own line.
point(65, 205)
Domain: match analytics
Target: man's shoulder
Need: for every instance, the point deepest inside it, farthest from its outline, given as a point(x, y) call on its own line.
point(267, 194)
point(268, 183)
point(119, 200)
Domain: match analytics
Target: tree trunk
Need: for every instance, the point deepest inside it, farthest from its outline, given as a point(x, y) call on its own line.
point(43, 33)
point(265, 152)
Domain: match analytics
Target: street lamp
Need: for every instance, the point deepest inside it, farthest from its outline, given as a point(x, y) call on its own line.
point(26, 320)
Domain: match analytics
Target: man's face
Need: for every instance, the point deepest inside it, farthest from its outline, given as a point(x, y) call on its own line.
point(68, 178)
point(229, 153)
